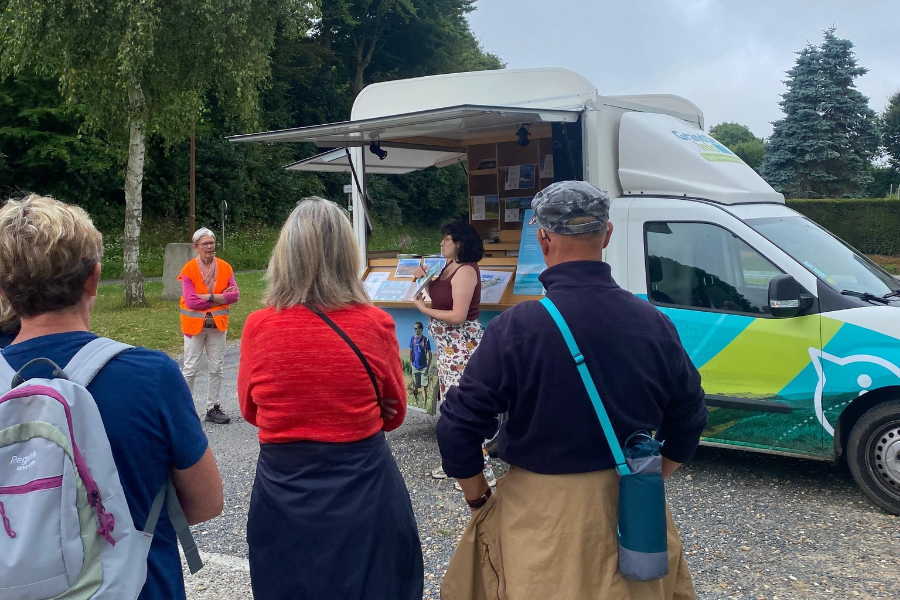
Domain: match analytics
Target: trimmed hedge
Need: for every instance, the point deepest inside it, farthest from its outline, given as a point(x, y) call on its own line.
point(871, 225)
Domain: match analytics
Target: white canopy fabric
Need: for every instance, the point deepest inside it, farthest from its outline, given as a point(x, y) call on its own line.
point(448, 125)
point(398, 161)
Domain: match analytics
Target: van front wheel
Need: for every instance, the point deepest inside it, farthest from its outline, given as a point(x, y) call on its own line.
point(873, 455)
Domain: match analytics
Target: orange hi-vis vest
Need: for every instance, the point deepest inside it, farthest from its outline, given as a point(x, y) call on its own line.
point(192, 320)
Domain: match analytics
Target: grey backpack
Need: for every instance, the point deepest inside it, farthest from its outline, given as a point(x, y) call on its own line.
point(66, 529)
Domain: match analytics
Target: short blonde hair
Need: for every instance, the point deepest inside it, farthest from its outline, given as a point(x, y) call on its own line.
point(48, 250)
point(316, 260)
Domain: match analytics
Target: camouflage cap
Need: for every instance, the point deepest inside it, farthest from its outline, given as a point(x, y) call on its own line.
point(559, 203)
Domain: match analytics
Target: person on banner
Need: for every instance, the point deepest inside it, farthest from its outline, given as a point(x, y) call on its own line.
point(321, 377)
point(420, 360)
point(208, 290)
point(455, 308)
point(50, 254)
point(559, 497)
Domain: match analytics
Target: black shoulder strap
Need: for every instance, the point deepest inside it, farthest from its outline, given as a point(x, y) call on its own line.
point(353, 347)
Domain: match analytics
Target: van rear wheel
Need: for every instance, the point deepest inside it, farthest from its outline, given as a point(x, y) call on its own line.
point(873, 455)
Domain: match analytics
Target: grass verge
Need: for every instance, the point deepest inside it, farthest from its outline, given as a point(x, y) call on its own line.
point(891, 264)
point(245, 248)
point(159, 327)
point(424, 240)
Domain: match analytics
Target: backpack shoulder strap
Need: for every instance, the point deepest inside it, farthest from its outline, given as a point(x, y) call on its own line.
point(7, 374)
point(179, 522)
point(619, 457)
point(88, 361)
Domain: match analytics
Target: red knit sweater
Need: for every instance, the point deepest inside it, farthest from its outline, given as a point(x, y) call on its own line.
point(298, 380)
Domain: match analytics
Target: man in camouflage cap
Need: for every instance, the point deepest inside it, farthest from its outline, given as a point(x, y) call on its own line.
point(570, 208)
point(558, 499)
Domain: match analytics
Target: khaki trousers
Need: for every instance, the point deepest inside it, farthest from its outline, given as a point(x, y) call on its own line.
point(554, 536)
point(213, 342)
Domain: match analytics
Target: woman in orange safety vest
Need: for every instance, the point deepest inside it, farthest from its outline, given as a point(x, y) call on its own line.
point(208, 290)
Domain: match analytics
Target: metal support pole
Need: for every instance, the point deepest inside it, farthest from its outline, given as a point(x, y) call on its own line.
point(192, 225)
point(359, 206)
point(224, 209)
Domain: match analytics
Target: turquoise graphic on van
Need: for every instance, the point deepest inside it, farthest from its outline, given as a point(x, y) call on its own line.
point(813, 367)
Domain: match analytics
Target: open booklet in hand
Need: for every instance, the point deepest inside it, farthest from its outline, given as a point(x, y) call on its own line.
point(421, 282)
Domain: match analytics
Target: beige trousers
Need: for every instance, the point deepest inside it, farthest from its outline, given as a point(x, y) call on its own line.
point(213, 342)
point(554, 536)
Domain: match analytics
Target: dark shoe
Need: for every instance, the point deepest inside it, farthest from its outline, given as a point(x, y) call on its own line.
point(215, 415)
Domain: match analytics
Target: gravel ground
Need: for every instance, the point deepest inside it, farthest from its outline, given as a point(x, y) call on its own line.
point(754, 526)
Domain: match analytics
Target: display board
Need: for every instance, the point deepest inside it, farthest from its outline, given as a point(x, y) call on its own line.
point(503, 178)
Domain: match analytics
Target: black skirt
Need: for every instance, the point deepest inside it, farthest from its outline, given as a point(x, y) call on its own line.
point(332, 521)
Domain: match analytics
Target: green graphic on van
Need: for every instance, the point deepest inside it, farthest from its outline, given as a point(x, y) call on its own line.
point(810, 367)
point(709, 147)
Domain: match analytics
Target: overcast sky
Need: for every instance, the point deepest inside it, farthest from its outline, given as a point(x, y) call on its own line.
point(727, 56)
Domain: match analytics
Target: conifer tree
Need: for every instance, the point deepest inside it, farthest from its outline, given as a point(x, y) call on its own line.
point(890, 126)
point(824, 145)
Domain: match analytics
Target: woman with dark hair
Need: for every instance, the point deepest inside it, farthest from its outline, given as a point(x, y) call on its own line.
point(455, 300)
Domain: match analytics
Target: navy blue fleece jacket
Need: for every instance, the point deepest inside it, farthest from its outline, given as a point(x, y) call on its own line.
point(523, 366)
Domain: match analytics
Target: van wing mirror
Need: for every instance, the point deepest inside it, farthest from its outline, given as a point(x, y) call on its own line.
point(784, 296)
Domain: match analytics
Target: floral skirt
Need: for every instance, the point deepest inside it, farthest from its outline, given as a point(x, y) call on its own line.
point(455, 345)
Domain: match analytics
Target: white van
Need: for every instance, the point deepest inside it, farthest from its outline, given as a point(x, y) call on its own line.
point(796, 334)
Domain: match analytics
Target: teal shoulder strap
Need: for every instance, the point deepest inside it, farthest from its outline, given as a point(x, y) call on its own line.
point(589, 385)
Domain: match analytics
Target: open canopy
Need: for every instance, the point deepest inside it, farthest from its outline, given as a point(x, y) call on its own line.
point(398, 161)
point(440, 127)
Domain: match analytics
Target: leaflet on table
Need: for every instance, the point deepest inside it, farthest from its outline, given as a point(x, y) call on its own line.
point(373, 281)
point(531, 261)
point(406, 267)
point(394, 291)
point(493, 283)
point(520, 177)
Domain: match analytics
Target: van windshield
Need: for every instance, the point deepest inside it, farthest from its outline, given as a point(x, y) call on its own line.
point(825, 255)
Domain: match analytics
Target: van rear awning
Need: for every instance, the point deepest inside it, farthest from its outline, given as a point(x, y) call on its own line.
point(399, 160)
point(447, 126)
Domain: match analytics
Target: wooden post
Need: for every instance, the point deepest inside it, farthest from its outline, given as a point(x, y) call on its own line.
point(192, 226)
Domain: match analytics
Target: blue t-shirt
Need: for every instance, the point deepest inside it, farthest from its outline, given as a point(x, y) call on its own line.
point(420, 350)
point(149, 416)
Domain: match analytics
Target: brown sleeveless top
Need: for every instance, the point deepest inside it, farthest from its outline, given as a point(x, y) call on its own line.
point(441, 292)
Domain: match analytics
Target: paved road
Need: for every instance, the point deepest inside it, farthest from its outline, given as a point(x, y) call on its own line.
point(754, 526)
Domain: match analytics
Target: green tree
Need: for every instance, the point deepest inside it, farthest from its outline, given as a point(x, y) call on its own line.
point(47, 153)
point(824, 145)
point(740, 140)
point(890, 126)
point(142, 67)
point(356, 29)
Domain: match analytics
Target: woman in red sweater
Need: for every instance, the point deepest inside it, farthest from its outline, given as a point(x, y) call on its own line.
point(320, 376)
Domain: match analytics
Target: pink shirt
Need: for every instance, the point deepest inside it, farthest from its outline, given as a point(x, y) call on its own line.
point(195, 302)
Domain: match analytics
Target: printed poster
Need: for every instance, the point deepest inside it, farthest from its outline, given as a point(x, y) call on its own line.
point(491, 207)
point(516, 207)
point(520, 177)
point(478, 208)
point(547, 166)
point(493, 284)
point(531, 261)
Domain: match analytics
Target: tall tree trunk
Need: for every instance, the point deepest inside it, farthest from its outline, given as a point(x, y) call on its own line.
point(134, 176)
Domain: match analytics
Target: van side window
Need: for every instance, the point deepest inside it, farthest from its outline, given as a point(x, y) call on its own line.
point(705, 266)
